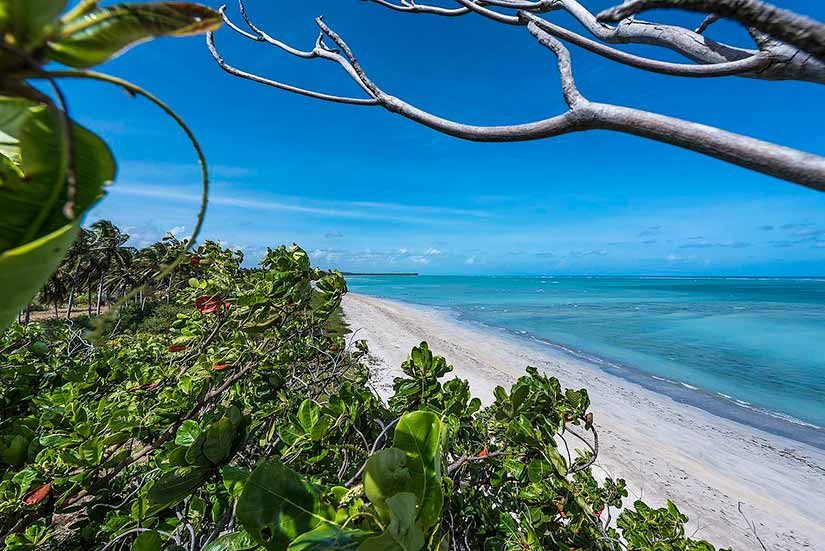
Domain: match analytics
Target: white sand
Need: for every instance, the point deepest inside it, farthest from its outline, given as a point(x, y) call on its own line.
point(664, 449)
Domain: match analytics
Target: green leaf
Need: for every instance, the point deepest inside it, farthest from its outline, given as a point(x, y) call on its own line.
point(187, 433)
point(328, 538)
point(418, 435)
point(29, 20)
point(16, 452)
point(236, 541)
point(234, 479)
point(177, 484)
point(385, 475)
point(34, 233)
point(104, 33)
point(557, 460)
point(24, 270)
point(277, 505)
point(147, 541)
point(308, 415)
point(217, 444)
point(403, 533)
point(33, 138)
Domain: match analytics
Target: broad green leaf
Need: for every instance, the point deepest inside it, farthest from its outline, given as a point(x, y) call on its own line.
point(147, 541)
point(328, 538)
point(236, 541)
point(28, 21)
point(234, 479)
point(177, 484)
point(16, 452)
point(217, 444)
point(24, 270)
point(308, 415)
point(187, 433)
point(385, 475)
point(557, 460)
point(403, 533)
point(277, 505)
point(34, 233)
point(30, 205)
point(418, 435)
point(106, 32)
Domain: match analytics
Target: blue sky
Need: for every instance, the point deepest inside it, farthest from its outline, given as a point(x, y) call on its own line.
point(362, 189)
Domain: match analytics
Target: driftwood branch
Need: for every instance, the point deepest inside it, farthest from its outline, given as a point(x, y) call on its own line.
point(773, 59)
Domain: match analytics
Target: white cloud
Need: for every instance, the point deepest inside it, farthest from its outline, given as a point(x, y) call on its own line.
point(433, 252)
point(360, 210)
point(177, 231)
point(470, 260)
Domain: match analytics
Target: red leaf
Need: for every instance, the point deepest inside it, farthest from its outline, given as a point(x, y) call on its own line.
point(221, 367)
point(176, 347)
point(36, 496)
point(195, 260)
point(483, 452)
point(210, 305)
point(598, 513)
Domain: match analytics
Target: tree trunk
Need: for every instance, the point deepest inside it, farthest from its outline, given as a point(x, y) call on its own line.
point(169, 289)
point(99, 292)
point(89, 306)
point(70, 306)
point(56, 313)
point(28, 313)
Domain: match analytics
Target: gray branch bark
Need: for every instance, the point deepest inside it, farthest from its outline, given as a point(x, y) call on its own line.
point(803, 32)
point(714, 59)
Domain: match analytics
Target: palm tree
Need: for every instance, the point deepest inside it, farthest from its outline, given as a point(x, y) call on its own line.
point(125, 274)
point(77, 265)
point(108, 251)
point(55, 290)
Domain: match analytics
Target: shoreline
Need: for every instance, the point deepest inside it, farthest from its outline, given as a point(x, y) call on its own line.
point(717, 404)
point(665, 449)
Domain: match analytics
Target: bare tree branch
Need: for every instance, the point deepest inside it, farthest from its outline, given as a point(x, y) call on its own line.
point(412, 7)
point(707, 22)
point(803, 32)
point(210, 42)
point(737, 67)
point(784, 62)
point(715, 59)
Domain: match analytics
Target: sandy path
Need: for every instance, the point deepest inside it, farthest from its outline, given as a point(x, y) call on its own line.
point(664, 449)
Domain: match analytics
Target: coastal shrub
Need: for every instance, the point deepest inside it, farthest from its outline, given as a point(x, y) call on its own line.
point(249, 424)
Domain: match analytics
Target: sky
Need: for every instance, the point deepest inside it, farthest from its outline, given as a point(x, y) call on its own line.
point(362, 189)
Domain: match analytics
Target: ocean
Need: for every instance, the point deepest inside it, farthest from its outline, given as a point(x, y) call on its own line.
point(748, 349)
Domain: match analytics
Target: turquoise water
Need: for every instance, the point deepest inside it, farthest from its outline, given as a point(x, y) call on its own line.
point(752, 350)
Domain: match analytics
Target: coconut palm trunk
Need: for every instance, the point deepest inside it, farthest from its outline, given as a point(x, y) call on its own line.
point(70, 305)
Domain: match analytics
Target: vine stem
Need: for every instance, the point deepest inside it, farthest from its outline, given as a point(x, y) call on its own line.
point(137, 90)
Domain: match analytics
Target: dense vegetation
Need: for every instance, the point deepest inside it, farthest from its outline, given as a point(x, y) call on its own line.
point(247, 423)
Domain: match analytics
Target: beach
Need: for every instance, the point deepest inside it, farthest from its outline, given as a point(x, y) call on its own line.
point(709, 466)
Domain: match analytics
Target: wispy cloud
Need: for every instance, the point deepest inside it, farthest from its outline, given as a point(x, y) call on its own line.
point(703, 244)
point(359, 210)
point(651, 231)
